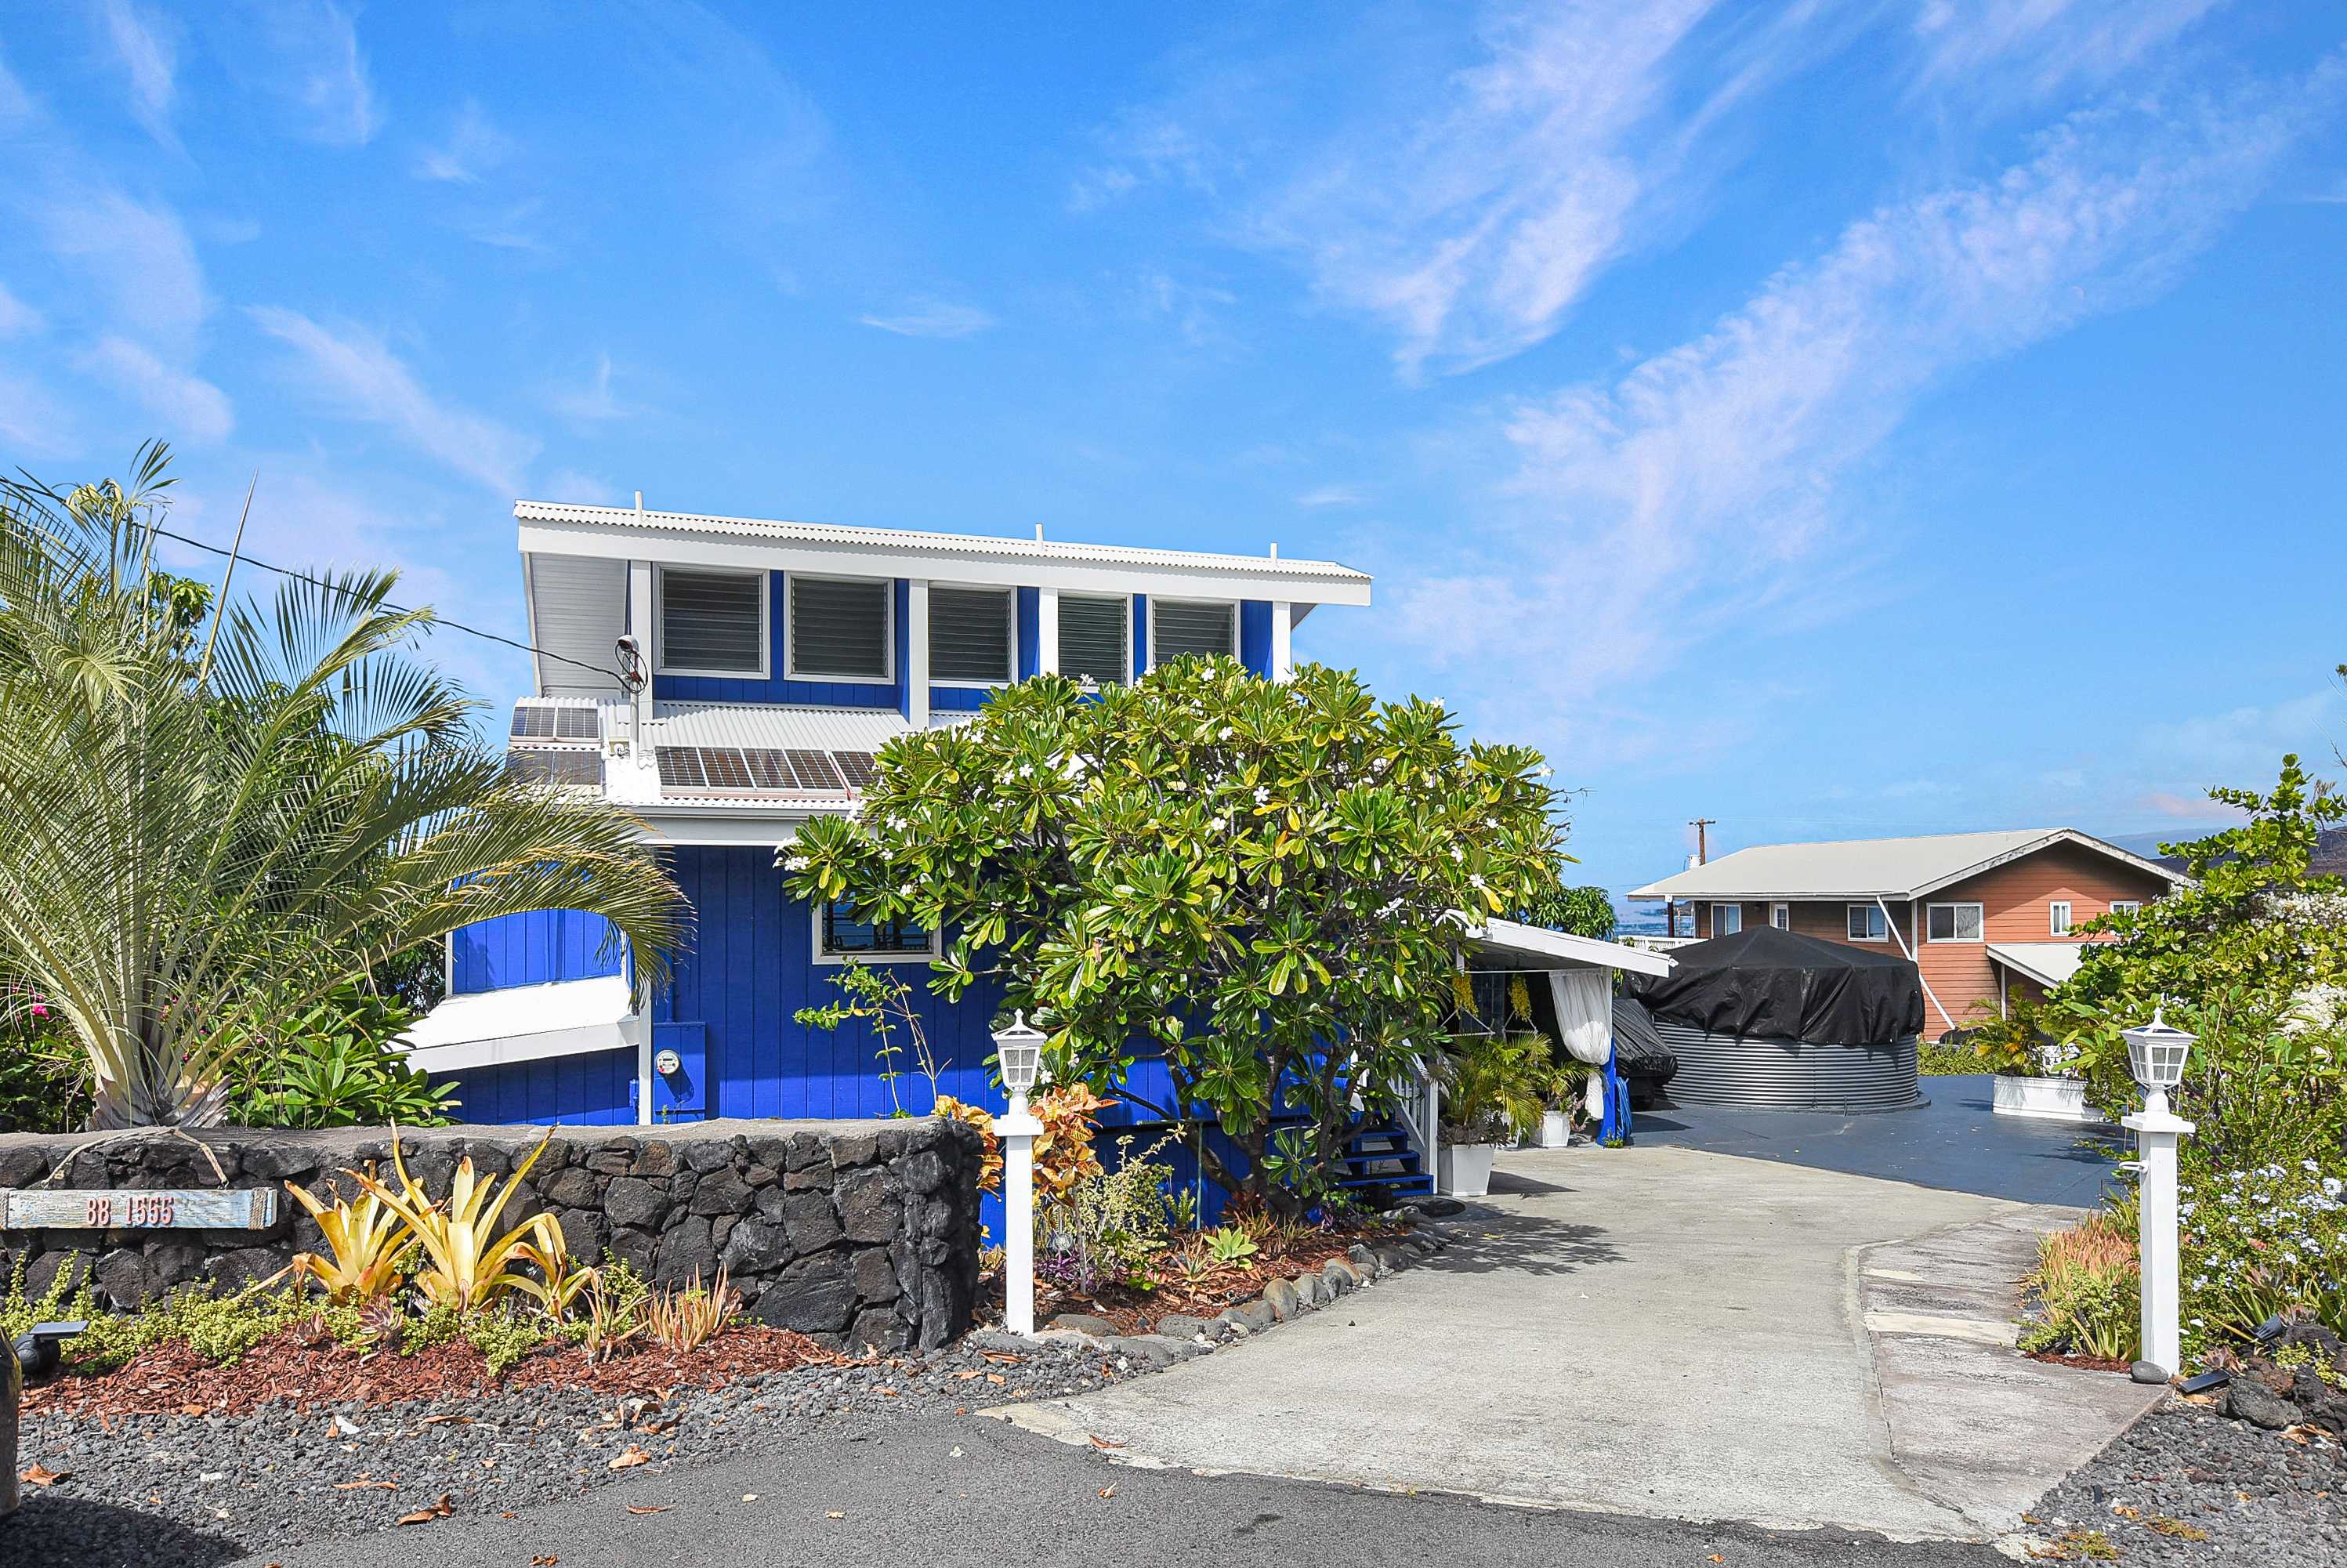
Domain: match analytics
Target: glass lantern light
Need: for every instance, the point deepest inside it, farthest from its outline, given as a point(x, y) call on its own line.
point(2156, 1055)
point(1018, 1056)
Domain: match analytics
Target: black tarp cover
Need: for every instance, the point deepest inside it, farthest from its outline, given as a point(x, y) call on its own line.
point(1774, 985)
point(1637, 1047)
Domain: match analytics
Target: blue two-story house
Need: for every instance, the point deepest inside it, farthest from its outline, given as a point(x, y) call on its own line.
point(727, 679)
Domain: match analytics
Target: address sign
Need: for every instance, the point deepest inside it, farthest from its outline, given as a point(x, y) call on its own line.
point(51, 1208)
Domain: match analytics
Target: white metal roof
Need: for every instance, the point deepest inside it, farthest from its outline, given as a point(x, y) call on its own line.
point(558, 528)
point(1875, 867)
point(525, 1023)
point(1540, 948)
point(2047, 963)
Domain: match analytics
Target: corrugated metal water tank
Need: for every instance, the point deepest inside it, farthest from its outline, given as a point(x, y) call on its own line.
point(1790, 1074)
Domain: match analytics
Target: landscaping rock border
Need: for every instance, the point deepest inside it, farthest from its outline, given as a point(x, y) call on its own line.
point(1179, 1336)
point(856, 1233)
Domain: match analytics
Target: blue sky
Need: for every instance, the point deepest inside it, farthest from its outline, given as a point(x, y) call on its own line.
point(1835, 419)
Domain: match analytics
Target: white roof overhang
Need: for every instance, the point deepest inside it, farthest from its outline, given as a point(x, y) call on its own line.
point(525, 1023)
point(2048, 963)
point(690, 539)
point(1538, 948)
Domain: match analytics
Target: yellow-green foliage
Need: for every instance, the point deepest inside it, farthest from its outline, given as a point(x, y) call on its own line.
point(685, 1319)
point(466, 1264)
point(2086, 1282)
point(220, 1328)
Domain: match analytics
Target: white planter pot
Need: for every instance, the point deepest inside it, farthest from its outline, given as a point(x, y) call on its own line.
point(1554, 1133)
point(2046, 1099)
point(1465, 1168)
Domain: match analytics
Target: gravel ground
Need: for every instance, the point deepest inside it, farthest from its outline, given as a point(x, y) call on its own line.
point(167, 1490)
point(2187, 1485)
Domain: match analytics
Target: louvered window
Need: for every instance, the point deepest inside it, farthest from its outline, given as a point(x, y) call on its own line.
point(969, 634)
point(1092, 640)
point(1175, 629)
point(712, 622)
point(839, 628)
point(846, 936)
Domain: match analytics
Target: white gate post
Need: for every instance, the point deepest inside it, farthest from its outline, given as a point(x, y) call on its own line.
point(2156, 1053)
point(1017, 1056)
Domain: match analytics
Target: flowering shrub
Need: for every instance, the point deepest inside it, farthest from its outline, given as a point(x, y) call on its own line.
point(2259, 1240)
point(44, 1078)
point(1109, 1225)
point(2087, 1284)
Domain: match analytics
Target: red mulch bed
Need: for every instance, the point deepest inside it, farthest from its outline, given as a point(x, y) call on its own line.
point(172, 1379)
point(2086, 1363)
point(1138, 1311)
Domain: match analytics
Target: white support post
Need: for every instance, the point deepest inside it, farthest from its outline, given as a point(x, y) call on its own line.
point(1046, 632)
point(1908, 953)
point(916, 653)
point(640, 626)
point(2157, 1131)
point(1016, 1130)
point(1283, 648)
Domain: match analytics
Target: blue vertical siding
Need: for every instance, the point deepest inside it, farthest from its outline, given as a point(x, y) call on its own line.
point(958, 699)
point(1030, 625)
point(1140, 635)
point(596, 1089)
point(1254, 635)
point(533, 949)
point(774, 688)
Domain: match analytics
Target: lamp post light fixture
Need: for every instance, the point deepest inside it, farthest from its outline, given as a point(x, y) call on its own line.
point(2156, 1055)
point(1019, 1056)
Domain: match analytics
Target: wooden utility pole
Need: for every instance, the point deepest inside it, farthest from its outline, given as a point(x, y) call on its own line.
point(1701, 842)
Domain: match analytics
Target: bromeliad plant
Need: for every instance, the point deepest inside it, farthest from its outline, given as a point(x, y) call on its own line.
point(1267, 884)
point(466, 1264)
point(369, 1242)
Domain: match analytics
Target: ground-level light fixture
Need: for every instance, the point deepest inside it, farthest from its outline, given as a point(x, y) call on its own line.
point(1018, 1058)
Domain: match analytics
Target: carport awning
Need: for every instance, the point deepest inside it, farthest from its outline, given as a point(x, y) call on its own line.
point(1538, 948)
point(2047, 963)
point(525, 1023)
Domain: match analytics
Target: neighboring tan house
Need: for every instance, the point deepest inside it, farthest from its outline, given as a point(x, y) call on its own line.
point(1994, 909)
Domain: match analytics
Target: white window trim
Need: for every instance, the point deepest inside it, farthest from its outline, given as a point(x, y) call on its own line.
point(1981, 921)
point(1010, 636)
point(1782, 910)
point(1226, 604)
point(660, 666)
point(1871, 911)
point(830, 960)
point(1124, 656)
point(2126, 905)
point(2061, 919)
point(888, 632)
point(1716, 909)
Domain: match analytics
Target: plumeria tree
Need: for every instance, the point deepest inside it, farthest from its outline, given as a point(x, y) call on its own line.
point(1266, 885)
point(203, 836)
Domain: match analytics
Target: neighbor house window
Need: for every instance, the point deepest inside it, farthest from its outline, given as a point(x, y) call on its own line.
point(1094, 642)
point(1865, 923)
point(969, 635)
point(1781, 917)
point(1952, 922)
point(842, 934)
point(712, 622)
point(1726, 919)
point(2058, 916)
point(2126, 905)
point(1175, 629)
point(839, 627)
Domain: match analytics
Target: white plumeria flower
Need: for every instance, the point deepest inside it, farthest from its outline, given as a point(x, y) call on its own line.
point(1474, 880)
point(1263, 795)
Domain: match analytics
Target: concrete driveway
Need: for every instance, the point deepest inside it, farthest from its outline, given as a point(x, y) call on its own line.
point(1663, 1332)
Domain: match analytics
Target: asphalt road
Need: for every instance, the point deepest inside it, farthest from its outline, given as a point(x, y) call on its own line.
point(1955, 1142)
point(974, 1490)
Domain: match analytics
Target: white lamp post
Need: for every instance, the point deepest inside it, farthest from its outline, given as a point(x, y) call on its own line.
point(1018, 1056)
point(2156, 1053)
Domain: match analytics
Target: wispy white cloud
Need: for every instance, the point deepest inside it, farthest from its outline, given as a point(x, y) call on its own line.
point(1970, 46)
point(136, 260)
point(1196, 310)
point(578, 487)
point(146, 45)
point(2242, 745)
point(357, 373)
point(925, 317)
point(475, 146)
point(2196, 808)
point(17, 319)
point(1331, 495)
point(1695, 488)
point(33, 421)
point(314, 60)
point(191, 408)
point(594, 402)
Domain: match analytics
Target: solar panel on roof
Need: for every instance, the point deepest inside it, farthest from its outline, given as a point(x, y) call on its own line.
point(577, 768)
point(724, 768)
point(577, 724)
point(532, 723)
point(769, 768)
point(858, 767)
point(680, 767)
point(816, 771)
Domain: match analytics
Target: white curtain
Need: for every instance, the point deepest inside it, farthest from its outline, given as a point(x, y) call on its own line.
point(1585, 1012)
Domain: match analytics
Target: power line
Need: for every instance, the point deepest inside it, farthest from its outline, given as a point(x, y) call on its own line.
point(397, 609)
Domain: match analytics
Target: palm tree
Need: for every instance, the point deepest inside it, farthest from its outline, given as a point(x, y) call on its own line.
point(195, 841)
